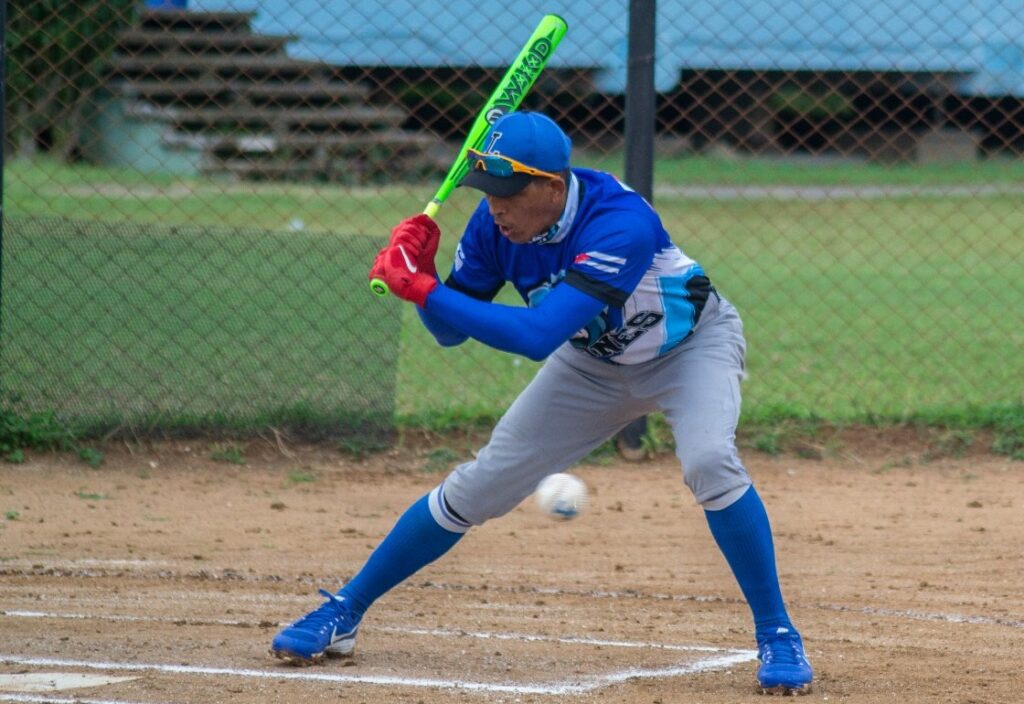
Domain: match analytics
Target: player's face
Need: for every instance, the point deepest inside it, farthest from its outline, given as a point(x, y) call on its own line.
point(530, 212)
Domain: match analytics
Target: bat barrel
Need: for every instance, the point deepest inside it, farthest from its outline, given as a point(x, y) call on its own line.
point(507, 96)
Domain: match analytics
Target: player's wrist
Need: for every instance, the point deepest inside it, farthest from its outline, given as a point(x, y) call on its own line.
point(421, 288)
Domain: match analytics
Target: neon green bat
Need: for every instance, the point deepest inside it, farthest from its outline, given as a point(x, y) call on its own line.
point(507, 96)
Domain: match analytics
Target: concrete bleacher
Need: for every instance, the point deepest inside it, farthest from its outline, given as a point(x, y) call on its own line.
point(200, 92)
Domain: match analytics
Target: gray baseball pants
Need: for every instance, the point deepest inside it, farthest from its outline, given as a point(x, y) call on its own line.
point(576, 402)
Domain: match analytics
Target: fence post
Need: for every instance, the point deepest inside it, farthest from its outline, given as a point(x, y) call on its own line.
point(640, 99)
point(3, 142)
point(640, 119)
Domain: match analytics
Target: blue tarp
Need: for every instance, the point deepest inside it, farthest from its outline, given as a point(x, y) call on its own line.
point(981, 39)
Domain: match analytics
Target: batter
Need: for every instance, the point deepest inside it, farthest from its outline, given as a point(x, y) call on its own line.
point(627, 324)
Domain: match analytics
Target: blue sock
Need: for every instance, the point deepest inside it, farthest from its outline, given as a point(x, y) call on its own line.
point(744, 535)
point(414, 542)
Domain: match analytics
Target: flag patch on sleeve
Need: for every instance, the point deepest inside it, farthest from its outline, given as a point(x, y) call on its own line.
point(600, 261)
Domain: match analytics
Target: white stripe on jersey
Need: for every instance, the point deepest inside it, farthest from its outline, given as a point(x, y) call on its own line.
point(600, 267)
point(607, 258)
point(604, 262)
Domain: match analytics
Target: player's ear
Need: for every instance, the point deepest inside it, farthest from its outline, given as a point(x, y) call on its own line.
point(557, 186)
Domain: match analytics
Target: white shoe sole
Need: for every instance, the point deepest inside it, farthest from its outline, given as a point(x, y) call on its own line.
point(784, 691)
point(341, 649)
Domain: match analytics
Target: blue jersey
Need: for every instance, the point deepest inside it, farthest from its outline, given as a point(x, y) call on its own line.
point(609, 244)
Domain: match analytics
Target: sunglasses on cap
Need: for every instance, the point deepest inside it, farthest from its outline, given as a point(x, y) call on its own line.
point(502, 166)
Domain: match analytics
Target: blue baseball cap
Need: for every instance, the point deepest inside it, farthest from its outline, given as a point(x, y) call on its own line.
point(530, 138)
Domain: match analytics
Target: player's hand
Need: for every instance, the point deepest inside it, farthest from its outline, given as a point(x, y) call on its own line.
point(419, 237)
point(403, 275)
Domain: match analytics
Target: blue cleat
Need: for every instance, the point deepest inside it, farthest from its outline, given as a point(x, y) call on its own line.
point(329, 630)
point(784, 666)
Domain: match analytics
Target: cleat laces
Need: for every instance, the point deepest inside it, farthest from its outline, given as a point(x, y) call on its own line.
point(324, 618)
point(782, 648)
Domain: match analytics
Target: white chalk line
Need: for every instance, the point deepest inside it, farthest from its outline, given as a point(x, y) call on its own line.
point(590, 683)
point(526, 638)
point(911, 614)
point(726, 658)
point(131, 619)
point(927, 616)
point(48, 699)
point(697, 598)
point(587, 684)
point(434, 632)
point(868, 610)
point(91, 561)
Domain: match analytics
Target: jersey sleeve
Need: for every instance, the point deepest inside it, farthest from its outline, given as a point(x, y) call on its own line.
point(475, 270)
point(445, 334)
point(612, 257)
point(533, 332)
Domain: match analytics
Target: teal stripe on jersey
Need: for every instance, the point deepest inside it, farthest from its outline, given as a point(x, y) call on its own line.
point(679, 311)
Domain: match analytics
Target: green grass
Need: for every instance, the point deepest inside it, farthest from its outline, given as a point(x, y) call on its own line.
point(882, 308)
point(91, 495)
point(153, 327)
point(47, 188)
point(767, 171)
point(230, 454)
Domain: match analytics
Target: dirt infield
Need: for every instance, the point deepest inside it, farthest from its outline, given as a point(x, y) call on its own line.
point(905, 573)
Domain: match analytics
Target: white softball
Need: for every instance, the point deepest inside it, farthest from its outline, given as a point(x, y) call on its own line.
point(561, 495)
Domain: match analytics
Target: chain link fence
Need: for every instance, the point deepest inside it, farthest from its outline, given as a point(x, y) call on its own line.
point(194, 190)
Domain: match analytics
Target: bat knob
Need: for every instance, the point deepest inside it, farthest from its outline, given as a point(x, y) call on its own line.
point(379, 287)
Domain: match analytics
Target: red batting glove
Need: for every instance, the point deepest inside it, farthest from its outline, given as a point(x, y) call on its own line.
point(429, 252)
point(419, 237)
point(404, 277)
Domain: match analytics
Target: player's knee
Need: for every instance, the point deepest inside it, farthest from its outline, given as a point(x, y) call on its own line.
point(704, 465)
point(443, 513)
point(468, 506)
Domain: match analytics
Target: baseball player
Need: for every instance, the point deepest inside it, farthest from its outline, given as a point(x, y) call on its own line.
point(628, 325)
